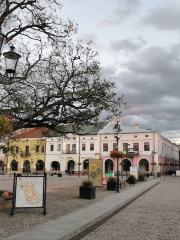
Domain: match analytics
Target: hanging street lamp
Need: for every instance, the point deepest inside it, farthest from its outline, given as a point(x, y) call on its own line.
point(11, 59)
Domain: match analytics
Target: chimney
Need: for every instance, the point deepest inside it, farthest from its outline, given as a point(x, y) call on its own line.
point(136, 125)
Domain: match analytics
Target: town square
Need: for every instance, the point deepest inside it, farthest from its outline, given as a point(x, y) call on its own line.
point(89, 119)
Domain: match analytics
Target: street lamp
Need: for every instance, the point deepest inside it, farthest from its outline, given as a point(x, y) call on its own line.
point(11, 58)
point(117, 131)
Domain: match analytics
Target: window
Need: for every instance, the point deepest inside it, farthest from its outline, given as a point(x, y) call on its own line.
point(135, 146)
point(83, 147)
point(105, 137)
point(146, 135)
point(17, 149)
point(37, 149)
point(42, 148)
point(135, 136)
point(114, 146)
point(59, 147)
point(105, 147)
point(125, 146)
point(27, 149)
point(91, 146)
point(73, 147)
point(146, 146)
point(67, 148)
point(51, 148)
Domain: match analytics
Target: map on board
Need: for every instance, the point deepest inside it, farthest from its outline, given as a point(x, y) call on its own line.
point(29, 192)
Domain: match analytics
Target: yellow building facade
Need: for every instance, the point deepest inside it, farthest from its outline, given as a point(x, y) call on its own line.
point(26, 155)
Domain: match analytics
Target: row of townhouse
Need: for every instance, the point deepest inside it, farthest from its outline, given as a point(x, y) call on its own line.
point(30, 151)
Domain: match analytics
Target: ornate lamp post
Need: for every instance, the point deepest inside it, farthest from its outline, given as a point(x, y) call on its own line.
point(117, 131)
point(11, 59)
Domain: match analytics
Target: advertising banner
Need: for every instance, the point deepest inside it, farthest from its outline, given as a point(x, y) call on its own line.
point(96, 171)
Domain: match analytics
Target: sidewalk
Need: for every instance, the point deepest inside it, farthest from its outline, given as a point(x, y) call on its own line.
point(72, 222)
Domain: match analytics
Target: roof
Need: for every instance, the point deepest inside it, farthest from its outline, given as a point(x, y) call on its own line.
point(90, 129)
point(31, 133)
point(108, 129)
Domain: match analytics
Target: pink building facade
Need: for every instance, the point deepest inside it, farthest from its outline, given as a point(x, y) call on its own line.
point(144, 147)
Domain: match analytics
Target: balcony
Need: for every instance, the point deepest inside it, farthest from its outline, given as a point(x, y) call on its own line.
point(131, 153)
point(70, 152)
point(25, 154)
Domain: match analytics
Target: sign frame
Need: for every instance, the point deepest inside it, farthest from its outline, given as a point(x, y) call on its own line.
point(95, 171)
point(14, 199)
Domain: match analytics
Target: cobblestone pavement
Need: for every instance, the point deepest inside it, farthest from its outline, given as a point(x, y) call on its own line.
point(62, 198)
point(154, 216)
point(53, 183)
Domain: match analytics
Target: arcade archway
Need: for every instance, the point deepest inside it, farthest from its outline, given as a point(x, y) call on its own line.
point(143, 165)
point(55, 165)
point(26, 166)
point(71, 166)
point(109, 166)
point(14, 165)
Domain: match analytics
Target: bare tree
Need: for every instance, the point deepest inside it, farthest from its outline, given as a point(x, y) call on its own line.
point(58, 82)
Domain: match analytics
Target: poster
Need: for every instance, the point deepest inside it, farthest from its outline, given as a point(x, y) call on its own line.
point(29, 192)
point(96, 171)
point(178, 173)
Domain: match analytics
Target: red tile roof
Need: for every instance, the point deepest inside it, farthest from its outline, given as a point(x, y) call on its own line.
point(31, 133)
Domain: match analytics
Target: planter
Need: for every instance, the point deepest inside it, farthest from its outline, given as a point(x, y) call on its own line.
point(111, 186)
point(59, 175)
point(131, 181)
point(87, 192)
point(141, 178)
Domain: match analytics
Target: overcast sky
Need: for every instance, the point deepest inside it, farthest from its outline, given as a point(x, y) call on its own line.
point(139, 46)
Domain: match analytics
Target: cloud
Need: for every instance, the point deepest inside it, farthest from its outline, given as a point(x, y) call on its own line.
point(150, 80)
point(163, 18)
point(125, 9)
point(128, 45)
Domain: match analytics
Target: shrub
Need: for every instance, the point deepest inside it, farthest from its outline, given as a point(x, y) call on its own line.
point(87, 183)
point(111, 179)
point(131, 176)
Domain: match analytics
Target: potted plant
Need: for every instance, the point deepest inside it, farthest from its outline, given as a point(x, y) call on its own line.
point(59, 174)
point(131, 179)
point(141, 177)
point(111, 184)
point(87, 190)
point(116, 154)
point(147, 175)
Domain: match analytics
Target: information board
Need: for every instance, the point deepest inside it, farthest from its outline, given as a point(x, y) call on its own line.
point(178, 173)
point(134, 171)
point(29, 192)
point(96, 171)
